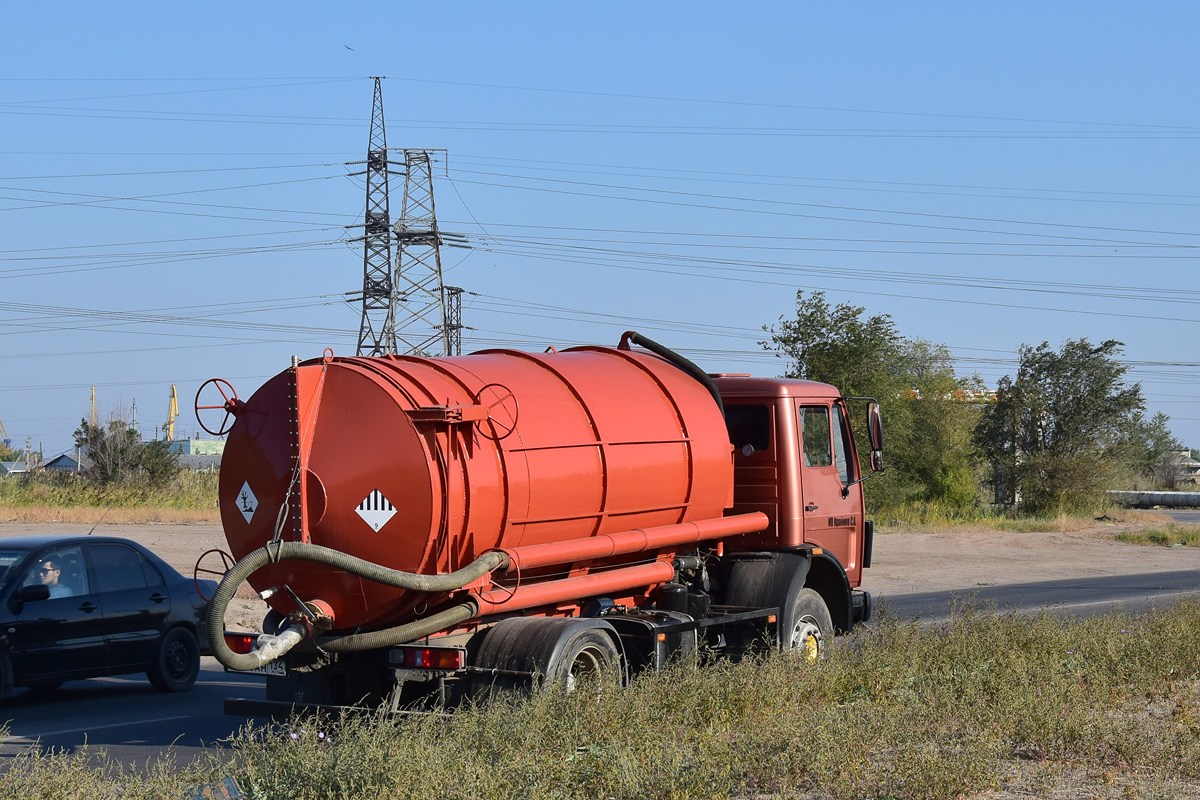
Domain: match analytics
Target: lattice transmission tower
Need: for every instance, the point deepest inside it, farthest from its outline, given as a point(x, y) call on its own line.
point(377, 333)
point(429, 313)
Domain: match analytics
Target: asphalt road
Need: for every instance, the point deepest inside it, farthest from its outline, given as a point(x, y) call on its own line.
point(127, 717)
point(1076, 597)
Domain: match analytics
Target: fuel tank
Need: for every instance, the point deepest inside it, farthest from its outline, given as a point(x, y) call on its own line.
point(423, 464)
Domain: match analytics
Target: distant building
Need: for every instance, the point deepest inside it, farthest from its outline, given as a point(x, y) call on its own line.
point(198, 447)
point(66, 462)
point(201, 463)
point(1188, 467)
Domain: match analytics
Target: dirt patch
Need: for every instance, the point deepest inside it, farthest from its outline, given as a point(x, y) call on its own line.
point(907, 563)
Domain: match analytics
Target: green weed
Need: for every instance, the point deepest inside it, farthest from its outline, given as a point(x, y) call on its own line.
point(1169, 535)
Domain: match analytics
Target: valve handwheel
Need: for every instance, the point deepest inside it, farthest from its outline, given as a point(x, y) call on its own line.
point(229, 405)
point(226, 563)
point(502, 409)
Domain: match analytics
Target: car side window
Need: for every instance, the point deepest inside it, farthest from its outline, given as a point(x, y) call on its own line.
point(61, 570)
point(119, 568)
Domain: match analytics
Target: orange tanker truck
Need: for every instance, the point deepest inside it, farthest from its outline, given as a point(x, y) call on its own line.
point(439, 527)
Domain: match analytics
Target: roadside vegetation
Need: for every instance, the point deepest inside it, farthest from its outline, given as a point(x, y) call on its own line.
point(188, 497)
point(1170, 535)
point(1047, 442)
point(981, 706)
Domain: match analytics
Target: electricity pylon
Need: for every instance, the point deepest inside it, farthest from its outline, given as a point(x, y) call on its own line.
point(429, 318)
point(377, 333)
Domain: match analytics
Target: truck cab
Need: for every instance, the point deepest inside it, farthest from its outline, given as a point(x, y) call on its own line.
point(795, 461)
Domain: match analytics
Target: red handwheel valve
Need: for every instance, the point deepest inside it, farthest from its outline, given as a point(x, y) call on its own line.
point(230, 405)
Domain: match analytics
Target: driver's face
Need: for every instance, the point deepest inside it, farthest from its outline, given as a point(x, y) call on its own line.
point(49, 573)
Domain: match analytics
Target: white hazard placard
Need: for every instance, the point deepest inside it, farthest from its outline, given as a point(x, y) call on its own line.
point(376, 510)
point(247, 503)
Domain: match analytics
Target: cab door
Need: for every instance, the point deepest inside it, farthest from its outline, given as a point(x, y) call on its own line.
point(827, 470)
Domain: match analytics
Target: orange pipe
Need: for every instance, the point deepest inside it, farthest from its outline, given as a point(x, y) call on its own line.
point(635, 541)
point(574, 589)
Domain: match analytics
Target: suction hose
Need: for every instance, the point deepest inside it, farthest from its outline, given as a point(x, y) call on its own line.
point(409, 581)
point(675, 358)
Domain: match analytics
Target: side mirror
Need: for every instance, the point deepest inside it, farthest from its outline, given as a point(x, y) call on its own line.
point(34, 593)
point(875, 433)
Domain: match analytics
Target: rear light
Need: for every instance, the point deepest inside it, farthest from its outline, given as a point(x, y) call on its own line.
point(241, 643)
point(410, 657)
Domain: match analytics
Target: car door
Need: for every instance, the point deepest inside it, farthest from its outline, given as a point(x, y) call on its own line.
point(830, 519)
point(136, 603)
point(59, 637)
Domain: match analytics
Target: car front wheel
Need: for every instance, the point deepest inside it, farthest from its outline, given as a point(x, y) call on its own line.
point(178, 662)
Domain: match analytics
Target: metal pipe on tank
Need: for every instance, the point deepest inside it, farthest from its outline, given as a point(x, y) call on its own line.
point(571, 590)
point(634, 541)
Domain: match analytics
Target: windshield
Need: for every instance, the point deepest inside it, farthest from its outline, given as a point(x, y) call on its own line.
point(8, 559)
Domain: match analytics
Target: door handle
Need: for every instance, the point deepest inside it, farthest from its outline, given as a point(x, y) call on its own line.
point(811, 507)
point(88, 607)
point(157, 597)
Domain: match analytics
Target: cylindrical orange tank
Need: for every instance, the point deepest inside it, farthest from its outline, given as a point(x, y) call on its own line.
point(423, 464)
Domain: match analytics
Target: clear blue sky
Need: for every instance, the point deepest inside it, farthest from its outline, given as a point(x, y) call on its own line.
point(174, 188)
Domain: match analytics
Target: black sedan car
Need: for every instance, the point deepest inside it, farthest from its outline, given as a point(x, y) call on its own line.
point(76, 607)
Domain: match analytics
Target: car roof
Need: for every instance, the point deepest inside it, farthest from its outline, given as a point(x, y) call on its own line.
point(36, 541)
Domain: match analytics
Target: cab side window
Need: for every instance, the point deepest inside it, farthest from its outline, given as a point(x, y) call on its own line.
point(749, 426)
point(119, 568)
point(814, 433)
point(841, 445)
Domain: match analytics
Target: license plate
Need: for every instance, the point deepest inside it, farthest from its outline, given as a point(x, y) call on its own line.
point(275, 669)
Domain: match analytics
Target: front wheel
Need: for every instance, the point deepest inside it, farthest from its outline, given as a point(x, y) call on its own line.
point(178, 663)
point(808, 628)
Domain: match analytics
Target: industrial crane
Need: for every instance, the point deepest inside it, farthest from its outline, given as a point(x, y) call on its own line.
point(172, 413)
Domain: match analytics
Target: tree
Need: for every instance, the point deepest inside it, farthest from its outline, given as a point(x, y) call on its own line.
point(1153, 453)
point(928, 430)
point(113, 454)
point(160, 464)
point(1055, 435)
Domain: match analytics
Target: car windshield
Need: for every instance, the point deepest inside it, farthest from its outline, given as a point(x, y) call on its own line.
point(8, 559)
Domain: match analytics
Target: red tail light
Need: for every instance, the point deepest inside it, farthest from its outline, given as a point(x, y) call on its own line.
point(241, 643)
point(409, 657)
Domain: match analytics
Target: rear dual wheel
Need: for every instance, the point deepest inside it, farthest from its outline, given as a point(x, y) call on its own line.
point(589, 658)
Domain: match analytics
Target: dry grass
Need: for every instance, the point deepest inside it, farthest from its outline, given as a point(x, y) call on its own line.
point(191, 498)
point(110, 516)
point(981, 707)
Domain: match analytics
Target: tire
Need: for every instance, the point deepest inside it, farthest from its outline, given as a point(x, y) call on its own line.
point(807, 627)
point(178, 663)
point(588, 658)
point(524, 654)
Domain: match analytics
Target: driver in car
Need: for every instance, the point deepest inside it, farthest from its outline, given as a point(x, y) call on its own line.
point(51, 571)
